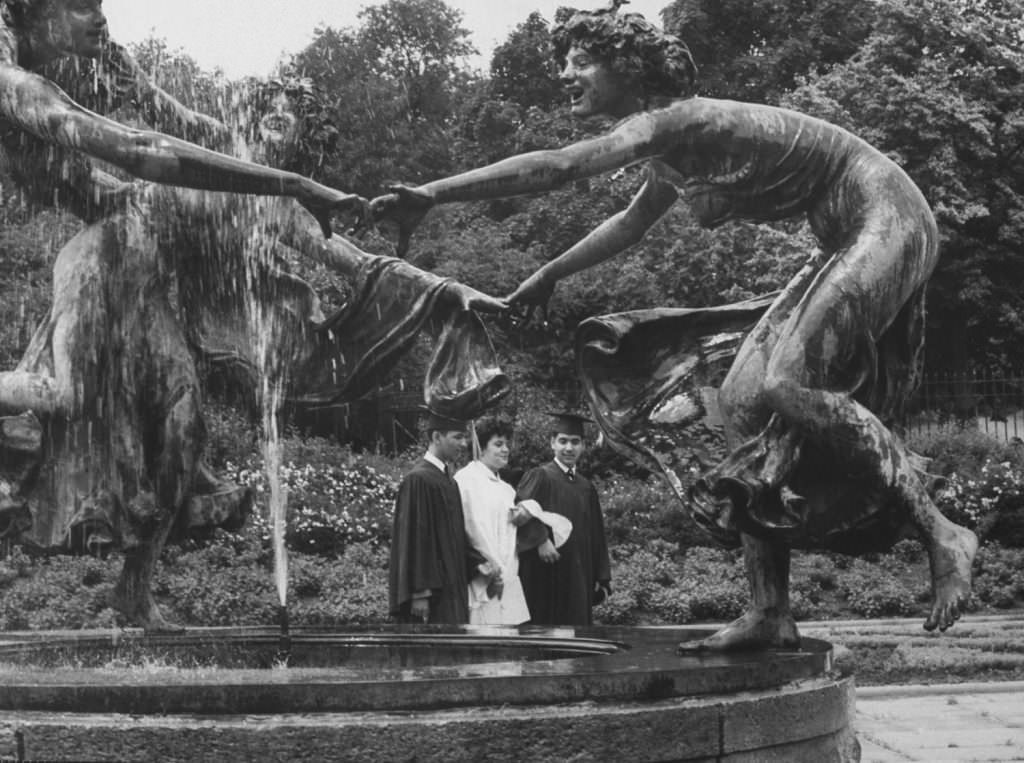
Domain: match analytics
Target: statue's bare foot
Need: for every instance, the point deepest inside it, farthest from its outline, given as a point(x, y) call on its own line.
point(757, 629)
point(951, 560)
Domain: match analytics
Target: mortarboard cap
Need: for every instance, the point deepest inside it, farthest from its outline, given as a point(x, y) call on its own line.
point(569, 423)
point(436, 421)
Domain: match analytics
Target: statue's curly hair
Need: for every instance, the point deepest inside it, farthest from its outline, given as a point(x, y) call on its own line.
point(20, 14)
point(658, 63)
point(318, 135)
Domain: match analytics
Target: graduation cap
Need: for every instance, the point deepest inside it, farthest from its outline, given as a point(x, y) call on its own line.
point(569, 423)
point(436, 421)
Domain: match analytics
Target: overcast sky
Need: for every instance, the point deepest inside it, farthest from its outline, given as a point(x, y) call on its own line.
point(249, 36)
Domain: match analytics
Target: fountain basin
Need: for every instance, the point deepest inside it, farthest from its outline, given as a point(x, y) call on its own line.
point(428, 693)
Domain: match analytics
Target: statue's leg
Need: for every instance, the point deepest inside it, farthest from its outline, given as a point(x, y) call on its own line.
point(820, 360)
point(172, 397)
point(768, 621)
point(133, 595)
point(840, 423)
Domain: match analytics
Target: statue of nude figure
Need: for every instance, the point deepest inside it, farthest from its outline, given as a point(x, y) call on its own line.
point(832, 357)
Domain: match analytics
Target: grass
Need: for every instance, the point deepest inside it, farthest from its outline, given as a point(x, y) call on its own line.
point(902, 652)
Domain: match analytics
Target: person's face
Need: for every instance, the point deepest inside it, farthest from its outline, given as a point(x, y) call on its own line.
point(279, 125)
point(450, 446)
point(495, 454)
point(75, 26)
point(593, 87)
point(567, 448)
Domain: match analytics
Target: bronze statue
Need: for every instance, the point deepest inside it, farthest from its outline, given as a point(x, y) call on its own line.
point(110, 373)
point(830, 358)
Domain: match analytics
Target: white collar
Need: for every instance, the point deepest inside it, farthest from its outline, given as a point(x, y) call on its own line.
point(485, 469)
point(431, 458)
point(565, 469)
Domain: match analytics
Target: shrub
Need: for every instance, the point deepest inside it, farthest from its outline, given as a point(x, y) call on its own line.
point(331, 501)
point(872, 591)
point(999, 575)
point(57, 592)
point(638, 510)
point(963, 450)
point(978, 502)
point(640, 576)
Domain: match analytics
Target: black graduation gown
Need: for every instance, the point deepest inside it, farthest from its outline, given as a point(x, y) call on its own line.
point(428, 546)
point(561, 593)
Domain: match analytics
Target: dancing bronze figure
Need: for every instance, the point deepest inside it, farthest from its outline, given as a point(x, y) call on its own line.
point(830, 360)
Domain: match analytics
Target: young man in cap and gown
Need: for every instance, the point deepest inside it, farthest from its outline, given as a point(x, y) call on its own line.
point(562, 584)
point(429, 554)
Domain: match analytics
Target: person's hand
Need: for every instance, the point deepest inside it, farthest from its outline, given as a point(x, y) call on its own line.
point(518, 516)
point(405, 206)
point(496, 588)
point(468, 298)
point(532, 293)
point(548, 553)
point(420, 608)
point(602, 590)
point(323, 202)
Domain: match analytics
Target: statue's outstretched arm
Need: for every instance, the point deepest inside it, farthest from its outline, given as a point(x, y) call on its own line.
point(40, 108)
point(158, 108)
point(631, 142)
point(614, 235)
point(636, 139)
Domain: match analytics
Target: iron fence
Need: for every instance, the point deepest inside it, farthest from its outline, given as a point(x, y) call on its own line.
point(988, 401)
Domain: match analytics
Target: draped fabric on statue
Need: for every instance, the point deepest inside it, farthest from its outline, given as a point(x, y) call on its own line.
point(391, 303)
point(651, 378)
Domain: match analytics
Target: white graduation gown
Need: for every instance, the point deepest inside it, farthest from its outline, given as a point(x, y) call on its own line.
point(486, 501)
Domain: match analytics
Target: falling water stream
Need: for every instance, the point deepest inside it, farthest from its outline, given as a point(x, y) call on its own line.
point(270, 401)
point(272, 354)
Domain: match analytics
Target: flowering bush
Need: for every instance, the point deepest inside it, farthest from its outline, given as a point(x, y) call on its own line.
point(977, 502)
point(328, 506)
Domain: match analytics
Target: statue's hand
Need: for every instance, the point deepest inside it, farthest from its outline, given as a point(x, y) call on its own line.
point(404, 205)
point(468, 298)
point(532, 293)
point(324, 202)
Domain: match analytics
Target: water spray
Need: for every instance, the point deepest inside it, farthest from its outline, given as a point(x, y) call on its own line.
point(284, 643)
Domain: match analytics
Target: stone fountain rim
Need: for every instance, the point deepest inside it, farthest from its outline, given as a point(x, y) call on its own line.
point(644, 666)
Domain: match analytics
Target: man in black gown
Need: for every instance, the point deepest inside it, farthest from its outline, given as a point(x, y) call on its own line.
point(428, 581)
point(562, 585)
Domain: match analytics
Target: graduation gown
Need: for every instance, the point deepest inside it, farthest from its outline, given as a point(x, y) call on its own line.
point(486, 500)
point(428, 546)
point(561, 593)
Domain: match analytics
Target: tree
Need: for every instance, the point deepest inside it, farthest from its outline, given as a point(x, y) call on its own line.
point(754, 50)
point(417, 44)
point(521, 68)
point(180, 75)
point(939, 86)
point(390, 83)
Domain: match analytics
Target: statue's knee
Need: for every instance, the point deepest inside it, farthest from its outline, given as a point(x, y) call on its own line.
point(780, 392)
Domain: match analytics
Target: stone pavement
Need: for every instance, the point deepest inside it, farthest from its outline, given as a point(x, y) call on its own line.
point(948, 722)
point(951, 722)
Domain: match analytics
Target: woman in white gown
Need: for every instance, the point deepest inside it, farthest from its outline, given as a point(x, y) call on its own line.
point(492, 518)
